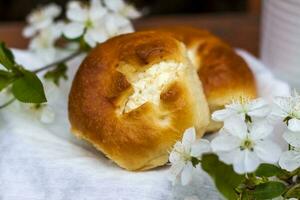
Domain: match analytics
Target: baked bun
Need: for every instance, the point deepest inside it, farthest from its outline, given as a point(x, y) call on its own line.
point(133, 97)
point(225, 76)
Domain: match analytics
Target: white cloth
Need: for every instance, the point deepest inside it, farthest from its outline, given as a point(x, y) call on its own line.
point(40, 161)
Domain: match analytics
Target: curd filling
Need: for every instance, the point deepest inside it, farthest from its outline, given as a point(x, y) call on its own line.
point(149, 84)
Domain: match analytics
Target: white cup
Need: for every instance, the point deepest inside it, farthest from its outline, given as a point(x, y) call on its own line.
point(280, 39)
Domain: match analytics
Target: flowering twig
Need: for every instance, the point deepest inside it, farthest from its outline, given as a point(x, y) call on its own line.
point(70, 57)
point(7, 103)
point(244, 162)
point(84, 26)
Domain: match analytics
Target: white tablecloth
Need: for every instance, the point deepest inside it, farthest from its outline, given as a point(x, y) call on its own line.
point(40, 161)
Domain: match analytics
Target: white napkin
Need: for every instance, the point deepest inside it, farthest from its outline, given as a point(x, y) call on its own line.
point(45, 161)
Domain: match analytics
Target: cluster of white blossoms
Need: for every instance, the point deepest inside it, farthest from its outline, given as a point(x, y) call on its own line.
point(245, 139)
point(85, 23)
point(288, 110)
point(182, 156)
point(44, 31)
point(98, 21)
point(94, 22)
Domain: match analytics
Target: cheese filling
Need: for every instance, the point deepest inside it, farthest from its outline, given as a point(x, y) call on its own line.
point(149, 84)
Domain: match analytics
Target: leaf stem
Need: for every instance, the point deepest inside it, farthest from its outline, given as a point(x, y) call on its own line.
point(70, 57)
point(7, 103)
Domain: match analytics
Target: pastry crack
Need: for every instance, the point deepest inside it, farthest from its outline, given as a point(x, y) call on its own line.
point(149, 84)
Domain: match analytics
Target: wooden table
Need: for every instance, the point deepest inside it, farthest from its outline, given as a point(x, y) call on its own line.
point(239, 30)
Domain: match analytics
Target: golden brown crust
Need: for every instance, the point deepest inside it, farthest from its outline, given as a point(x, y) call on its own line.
point(139, 139)
point(225, 76)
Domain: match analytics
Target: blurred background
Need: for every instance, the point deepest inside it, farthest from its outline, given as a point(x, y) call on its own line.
point(268, 29)
point(16, 10)
point(229, 19)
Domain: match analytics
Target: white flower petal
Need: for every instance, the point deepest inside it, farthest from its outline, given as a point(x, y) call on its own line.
point(29, 31)
point(277, 113)
point(76, 12)
point(115, 5)
point(293, 138)
point(186, 174)
point(294, 125)
point(282, 106)
point(179, 147)
point(228, 156)
point(225, 142)
point(290, 160)
point(175, 155)
point(199, 147)
point(73, 30)
point(221, 115)
point(43, 17)
point(52, 10)
point(90, 40)
point(282, 102)
point(237, 107)
point(43, 24)
point(267, 151)
point(126, 29)
point(57, 29)
point(236, 126)
point(97, 11)
point(44, 40)
point(174, 171)
point(260, 130)
point(130, 12)
point(258, 108)
point(246, 161)
point(114, 22)
point(189, 136)
point(95, 36)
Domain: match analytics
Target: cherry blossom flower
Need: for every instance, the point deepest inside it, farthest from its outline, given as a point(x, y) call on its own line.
point(43, 44)
point(245, 145)
point(182, 156)
point(120, 7)
point(41, 18)
point(116, 24)
point(246, 109)
point(293, 138)
point(86, 21)
point(290, 160)
point(288, 109)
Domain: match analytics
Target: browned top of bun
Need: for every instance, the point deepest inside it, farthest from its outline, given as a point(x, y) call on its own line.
point(141, 137)
point(224, 74)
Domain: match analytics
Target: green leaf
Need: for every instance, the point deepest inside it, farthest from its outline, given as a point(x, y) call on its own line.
point(226, 180)
point(268, 190)
point(268, 170)
point(58, 73)
point(6, 57)
point(6, 78)
point(293, 192)
point(28, 88)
